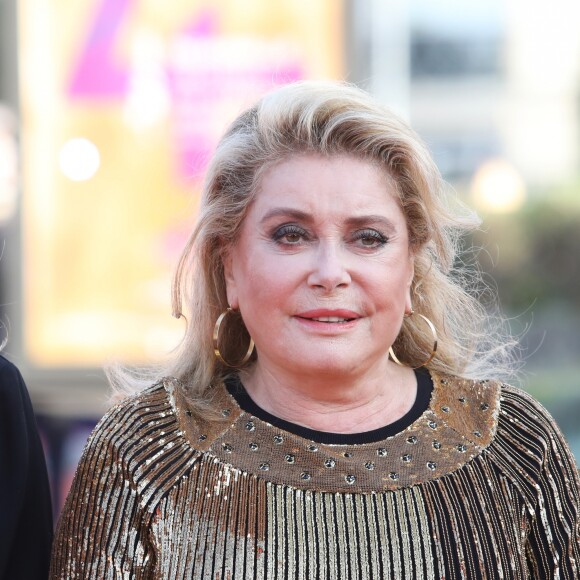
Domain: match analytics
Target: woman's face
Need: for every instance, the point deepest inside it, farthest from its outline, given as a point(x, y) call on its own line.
point(322, 268)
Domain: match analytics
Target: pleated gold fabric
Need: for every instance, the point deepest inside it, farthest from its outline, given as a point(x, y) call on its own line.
point(482, 485)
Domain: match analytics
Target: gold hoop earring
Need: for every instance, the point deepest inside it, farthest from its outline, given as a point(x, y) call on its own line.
point(433, 350)
point(216, 348)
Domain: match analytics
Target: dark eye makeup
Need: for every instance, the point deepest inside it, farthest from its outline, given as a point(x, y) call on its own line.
point(289, 234)
point(370, 238)
point(292, 234)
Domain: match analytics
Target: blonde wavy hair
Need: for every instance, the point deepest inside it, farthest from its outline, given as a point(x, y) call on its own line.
point(330, 118)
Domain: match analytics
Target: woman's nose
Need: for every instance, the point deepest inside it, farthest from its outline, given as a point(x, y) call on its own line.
point(329, 270)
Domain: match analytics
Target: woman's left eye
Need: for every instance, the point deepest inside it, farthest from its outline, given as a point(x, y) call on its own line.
point(370, 238)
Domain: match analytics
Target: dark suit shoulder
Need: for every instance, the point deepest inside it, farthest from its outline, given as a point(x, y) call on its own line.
point(9, 374)
point(25, 506)
point(13, 394)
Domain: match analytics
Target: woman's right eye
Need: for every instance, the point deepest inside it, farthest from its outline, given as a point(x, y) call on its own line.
point(289, 234)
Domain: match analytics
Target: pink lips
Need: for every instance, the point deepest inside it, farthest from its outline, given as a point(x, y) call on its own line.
point(328, 321)
point(328, 313)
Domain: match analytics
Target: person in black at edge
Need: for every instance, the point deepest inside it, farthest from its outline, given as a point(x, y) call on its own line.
point(25, 503)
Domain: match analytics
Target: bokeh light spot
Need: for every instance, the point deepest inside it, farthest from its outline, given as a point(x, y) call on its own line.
point(498, 187)
point(79, 159)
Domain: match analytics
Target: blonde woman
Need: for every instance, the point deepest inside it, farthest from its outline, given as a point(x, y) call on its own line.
point(333, 411)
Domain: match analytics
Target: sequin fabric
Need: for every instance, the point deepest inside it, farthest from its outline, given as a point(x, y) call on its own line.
point(482, 485)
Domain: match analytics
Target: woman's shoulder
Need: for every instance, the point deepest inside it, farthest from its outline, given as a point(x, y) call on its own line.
point(513, 428)
point(139, 436)
point(516, 399)
point(146, 404)
point(164, 408)
point(522, 432)
point(524, 418)
point(142, 425)
point(466, 398)
point(491, 409)
point(468, 406)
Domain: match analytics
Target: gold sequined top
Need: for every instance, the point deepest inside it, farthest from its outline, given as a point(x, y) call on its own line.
point(481, 485)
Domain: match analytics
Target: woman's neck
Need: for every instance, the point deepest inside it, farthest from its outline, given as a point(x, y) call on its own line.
point(338, 404)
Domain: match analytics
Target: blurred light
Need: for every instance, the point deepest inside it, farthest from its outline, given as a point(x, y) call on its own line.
point(79, 159)
point(148, 101)
point(498, 187)
point(8, 165)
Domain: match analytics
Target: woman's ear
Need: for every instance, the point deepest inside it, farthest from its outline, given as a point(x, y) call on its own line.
point(230, 280)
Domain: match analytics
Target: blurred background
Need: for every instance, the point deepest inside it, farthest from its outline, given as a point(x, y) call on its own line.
point(109, 110)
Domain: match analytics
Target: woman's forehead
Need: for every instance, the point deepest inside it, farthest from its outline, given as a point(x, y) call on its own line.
point(311, 184)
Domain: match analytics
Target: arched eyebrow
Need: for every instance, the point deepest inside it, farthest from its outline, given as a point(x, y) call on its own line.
point(287, 212)
point(352, 221)
point(371, 220)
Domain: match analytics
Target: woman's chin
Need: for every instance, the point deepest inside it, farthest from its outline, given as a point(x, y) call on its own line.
point(336, 364)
